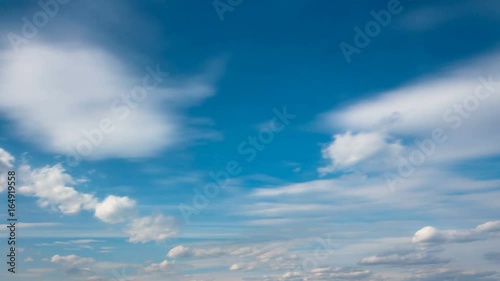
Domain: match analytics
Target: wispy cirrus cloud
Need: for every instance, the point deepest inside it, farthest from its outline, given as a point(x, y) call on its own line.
point(461, 102)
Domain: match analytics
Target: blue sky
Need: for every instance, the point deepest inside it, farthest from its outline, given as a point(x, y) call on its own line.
point(251, 140)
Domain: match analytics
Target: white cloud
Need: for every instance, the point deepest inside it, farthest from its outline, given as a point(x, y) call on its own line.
point(6, 162)
point(159, 267)
point(262, 254)
point(25, 225)
point(28, 259)
point(329, 273)
point(432, 235)
point(185, 252)
point(242, 266)
point(151, 228)
point(403, 258)
point(115, 209)
point(179, 252)
point(72, 89)
point(297, 188)
point(51, 186)
point(70, 260)
point(491, 226)
point(291, 275)
point(464, 105)
point(6, 159)
point(347, 150)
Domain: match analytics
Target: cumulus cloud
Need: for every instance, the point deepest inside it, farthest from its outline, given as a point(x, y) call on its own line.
point(151, 228)
point(179, 252)
point(242, 266)
point(115, 209)
point(348, 149)
point(159, 267)
point(73, 89)
point(51, 185)
point(185, 252)
point(291, 276)
point(432, 235)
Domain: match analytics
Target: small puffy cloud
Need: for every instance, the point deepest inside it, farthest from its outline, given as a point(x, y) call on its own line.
point(291, 275)
point(348, 149)
point(151, 228)
point(159, 267)
point(51, 185)
point(179, 252)
point(70, 260)
point(185, 252)
point(432, 235)
point(428, 234)
point(115, 209)
point(28, 259)
point(242, 266)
